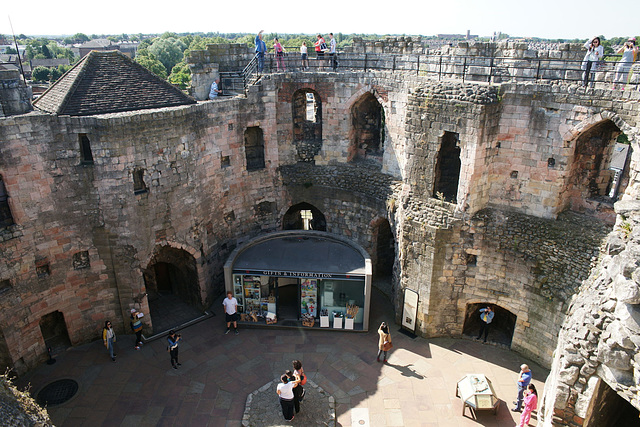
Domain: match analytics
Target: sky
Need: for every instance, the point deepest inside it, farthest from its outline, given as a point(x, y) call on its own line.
point(545, 18)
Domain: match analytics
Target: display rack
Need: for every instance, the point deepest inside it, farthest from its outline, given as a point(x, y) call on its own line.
point(251, 286)
point(238, 294)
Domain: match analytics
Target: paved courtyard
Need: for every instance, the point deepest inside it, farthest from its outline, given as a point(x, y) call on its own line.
point(218, 372)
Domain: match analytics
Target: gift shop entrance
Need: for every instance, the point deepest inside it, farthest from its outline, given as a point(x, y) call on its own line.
point(310, 279)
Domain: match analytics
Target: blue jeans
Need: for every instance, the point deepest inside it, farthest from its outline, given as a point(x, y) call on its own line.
point(260, 56)
point(110, 346)
point(521, 390)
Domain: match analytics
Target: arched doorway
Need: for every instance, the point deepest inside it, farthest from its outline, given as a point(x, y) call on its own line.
point(304, 216)
point(608, 409)
point(54, 332)
point(598, 172)
point(502, 326)
point(171, 280)
point(368, 130)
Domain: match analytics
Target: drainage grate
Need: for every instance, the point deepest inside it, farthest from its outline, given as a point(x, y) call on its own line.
point(57, 392)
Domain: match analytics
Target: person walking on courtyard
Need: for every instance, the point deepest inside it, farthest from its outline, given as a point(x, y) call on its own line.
point(629, 53)
point(285, 392)
point(530, 404)
point(384, 341)
point(261, 49)
point(174, 342)
point(279, 51)
point(523, 382)
point(303, 54)
point(594, 54)
point(136, 326)
point(230, 304)
point(486, 317)
point(109, 338)
point(333, 53)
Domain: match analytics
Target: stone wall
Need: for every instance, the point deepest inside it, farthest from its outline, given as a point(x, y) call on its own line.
point(15, 95)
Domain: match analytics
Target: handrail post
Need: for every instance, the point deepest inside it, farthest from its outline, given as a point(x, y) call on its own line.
point(393, 67)
point(538, 71)
point(440, 68)
point(418, 67)
point(490, 70)
point(365, 62)
point(464, 68)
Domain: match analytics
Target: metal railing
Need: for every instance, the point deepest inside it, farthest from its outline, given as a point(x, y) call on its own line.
point(441, 67)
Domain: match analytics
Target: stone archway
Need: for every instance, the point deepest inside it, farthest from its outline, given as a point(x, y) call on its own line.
point(368, 130)
point(307, 124)
point(171, 280)
point(608, 409)
point(304, 216)
point(502, 326)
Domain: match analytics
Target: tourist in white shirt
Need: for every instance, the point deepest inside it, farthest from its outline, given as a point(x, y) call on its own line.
point(231, 311)
point(285, 391)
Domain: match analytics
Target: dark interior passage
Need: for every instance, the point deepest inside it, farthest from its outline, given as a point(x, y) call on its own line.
point(502, 326)
point(385, 252)
point(304, 216)
point(288, 302)
point(54, 331)
point(608, 409)
point(448, 165)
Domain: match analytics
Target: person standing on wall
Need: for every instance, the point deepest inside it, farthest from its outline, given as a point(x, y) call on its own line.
point(174, 342)
point(524, 378)
point(230, 304)
point(629, 54)
point(136, 326)
point(320, 47)
point(384, 341)
point(333, 52)
point(109, 338)
point(279, 51)
point(594, 54)
point(486, 317)
point(303, 54)
point(261, 49)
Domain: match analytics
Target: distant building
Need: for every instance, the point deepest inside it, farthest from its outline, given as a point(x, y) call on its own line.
point(97, 44)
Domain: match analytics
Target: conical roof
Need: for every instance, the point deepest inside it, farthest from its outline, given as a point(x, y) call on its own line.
point(108, 82)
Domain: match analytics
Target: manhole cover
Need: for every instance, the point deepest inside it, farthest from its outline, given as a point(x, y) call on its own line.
point(57, 392)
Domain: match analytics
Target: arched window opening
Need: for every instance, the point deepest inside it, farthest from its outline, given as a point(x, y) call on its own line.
point(254, 148)
point(368, 134)
point(501, 328)
point(598, 172)
point(304, 216)
point(174, 296)
point(307, 124)
point(6, 219)
point(447, 171)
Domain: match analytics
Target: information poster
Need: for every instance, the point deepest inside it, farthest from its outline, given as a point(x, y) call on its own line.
point(410, 310)
point(308, 296)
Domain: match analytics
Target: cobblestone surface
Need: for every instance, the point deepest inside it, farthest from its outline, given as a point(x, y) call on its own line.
point(263, 408)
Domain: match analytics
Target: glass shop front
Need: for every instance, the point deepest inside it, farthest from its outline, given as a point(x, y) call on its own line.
point(309, 279)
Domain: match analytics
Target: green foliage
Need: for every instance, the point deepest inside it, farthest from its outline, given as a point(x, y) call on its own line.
point(10, 50)
point(56, 73)
point(168, 50)
point(149, 61)
point(40, 74)
point(180, 75)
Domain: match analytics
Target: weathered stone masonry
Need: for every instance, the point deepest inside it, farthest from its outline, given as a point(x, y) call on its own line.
point(505, 241)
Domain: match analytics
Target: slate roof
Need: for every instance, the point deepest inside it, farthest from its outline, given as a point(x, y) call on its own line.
point(108, 82)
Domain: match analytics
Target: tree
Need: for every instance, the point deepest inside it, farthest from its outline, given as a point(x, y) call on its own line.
point(81, 37)
point(40, 74)
point(10, 50)
point(180, 75)
point(149, 61)
point(169, 51)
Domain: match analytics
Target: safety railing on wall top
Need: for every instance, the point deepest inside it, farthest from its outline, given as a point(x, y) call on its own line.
point(441, 67)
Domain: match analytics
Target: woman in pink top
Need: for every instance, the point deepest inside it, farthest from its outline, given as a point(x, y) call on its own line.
point(530, 404)
point(279, 50)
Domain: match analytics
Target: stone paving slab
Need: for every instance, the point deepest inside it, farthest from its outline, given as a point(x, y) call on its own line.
point(415, 388)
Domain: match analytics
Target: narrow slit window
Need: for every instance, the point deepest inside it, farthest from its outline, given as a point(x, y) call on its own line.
point(6, 219)
point(85, 149)
point(139, 186)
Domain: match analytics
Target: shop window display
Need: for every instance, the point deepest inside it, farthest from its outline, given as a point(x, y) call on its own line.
point(335, 295)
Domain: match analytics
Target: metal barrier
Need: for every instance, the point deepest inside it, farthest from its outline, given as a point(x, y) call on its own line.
point(441, 67)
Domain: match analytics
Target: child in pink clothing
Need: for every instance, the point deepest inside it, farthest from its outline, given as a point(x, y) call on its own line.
point(530, 403)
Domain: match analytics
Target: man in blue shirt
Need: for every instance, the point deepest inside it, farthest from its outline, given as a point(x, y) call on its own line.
point(523, 382)
point(261, 49)
point(214, 92)
point(486, 316)
point(174, 341)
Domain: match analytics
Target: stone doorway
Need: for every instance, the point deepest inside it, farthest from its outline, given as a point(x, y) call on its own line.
point(304, 216)
point(307, 124)
point(54, 332)
point(448, 164)
point(288, 299)
point(384, 252)
point(608, 409)
point(368, 130)
point(171, 281)
point(502, 326)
